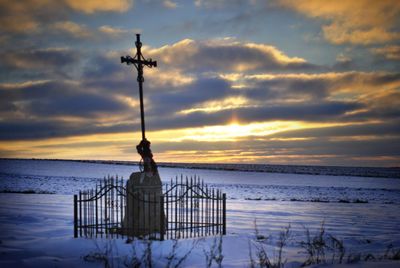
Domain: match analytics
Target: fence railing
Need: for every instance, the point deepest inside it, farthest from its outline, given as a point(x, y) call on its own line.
point(181, 208)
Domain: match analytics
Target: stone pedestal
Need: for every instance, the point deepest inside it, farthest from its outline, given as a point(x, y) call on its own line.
point(143, 213)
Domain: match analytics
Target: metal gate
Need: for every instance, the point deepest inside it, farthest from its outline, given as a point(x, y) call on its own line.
point(187, 207)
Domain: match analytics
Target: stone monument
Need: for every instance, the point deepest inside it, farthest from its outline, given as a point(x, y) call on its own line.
point(144, 213)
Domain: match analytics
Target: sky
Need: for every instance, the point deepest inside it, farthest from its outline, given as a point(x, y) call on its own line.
point(238, 81)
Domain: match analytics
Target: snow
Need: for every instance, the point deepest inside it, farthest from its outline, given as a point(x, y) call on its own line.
point(36, 230)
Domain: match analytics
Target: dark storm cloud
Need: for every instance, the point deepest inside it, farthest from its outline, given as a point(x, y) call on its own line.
point(102, 66)
point(39, 58)
point(288, 87)
point(38, 63)
point(378, 129)
point(82, 105)
point(43, 129)
point(302, 112)
point(34, 129)
point(166, 101)
point(58, 98)
point(383, 79)
point(108, 75)
point(319, 86)
point(34, 90)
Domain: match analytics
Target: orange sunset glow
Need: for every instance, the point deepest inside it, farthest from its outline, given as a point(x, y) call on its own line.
point(274, 82)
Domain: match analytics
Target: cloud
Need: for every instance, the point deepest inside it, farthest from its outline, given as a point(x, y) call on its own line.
point(42, 129)
point(311, 152)
point(170, 4)
point(303, 112)
point(221, 3)
point(72, 28)
point(113, 31)
point(174, 92)
point(52, 99)
point(168, 101)
point(359, 22)
point(66, 101)
point(32, 16)
point(28, 64)
point(91, 6)
point(332, 85)
point(376, 93)
point(26, 16)
point(227, 103)
point(40, 58)
point(390, 52)
point(81, 31)
point(106, 71)
point(173, 102)
point(44, 109)
point(382, 129)
point(191, 94)
point(225, 55)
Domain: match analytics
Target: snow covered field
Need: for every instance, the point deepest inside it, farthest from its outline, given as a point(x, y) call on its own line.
point(36, 229)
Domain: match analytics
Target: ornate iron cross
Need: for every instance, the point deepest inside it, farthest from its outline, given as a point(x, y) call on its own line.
point(139, 61)
point(143, 148)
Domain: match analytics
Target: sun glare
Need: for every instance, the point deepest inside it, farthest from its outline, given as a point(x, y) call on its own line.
point(235, 131)
point(121, 146)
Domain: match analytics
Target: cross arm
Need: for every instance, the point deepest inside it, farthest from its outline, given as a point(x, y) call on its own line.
point(129, 60)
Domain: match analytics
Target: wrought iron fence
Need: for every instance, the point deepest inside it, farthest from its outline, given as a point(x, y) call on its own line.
point(182, 208)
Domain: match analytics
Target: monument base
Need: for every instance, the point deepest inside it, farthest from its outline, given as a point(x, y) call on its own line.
point(144, 215)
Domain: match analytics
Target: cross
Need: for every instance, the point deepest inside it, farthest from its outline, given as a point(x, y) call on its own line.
point(143, 148)
point(139, 61)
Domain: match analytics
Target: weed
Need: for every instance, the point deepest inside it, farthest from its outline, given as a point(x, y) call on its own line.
point(263, 259)
point(105, 255)
point(337, 248)
point(353, 257)
point(315, 247)
point(173, 259)
point(391, 253)
point(282, 241)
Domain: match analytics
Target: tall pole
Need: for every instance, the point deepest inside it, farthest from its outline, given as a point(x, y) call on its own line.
point(143, 148)
point(139, 61)
point(140, 79)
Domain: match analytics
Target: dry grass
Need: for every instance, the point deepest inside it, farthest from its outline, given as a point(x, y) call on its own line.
point(263, 259)
point(320, 248)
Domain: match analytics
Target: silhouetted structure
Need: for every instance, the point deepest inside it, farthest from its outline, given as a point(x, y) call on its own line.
point(142, 217)
point(143, 148)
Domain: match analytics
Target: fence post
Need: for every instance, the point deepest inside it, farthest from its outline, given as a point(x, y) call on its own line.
point(224, 214)
point(162, 218)
point(75, 216)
